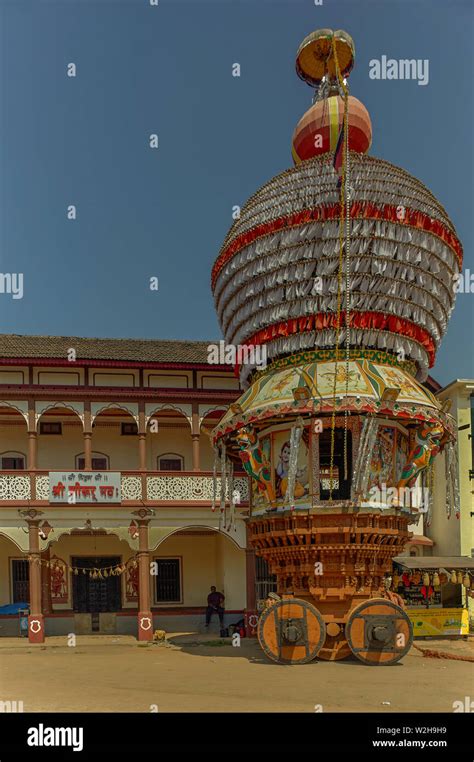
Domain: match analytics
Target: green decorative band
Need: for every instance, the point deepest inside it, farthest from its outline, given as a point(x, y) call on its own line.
point(329, 355)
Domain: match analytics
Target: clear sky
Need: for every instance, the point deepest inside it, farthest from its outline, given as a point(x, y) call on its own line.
point(164, 213)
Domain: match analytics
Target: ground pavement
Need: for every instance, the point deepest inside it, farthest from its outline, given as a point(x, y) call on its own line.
point(198, 673)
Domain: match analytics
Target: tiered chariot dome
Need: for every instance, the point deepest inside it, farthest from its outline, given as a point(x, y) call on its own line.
point(335, 287)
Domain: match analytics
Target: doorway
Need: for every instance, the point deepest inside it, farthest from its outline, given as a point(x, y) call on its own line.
point(95, 595)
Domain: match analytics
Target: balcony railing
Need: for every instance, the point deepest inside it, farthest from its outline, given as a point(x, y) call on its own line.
point(152, 486)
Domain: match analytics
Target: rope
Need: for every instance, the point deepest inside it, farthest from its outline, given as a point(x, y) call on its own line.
point(344, 222)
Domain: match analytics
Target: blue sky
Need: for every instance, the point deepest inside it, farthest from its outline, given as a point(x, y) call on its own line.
point(164, 213)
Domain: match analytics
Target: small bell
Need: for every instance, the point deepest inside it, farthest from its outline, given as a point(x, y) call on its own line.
point(453, 577)
point(426, 579)
point(436, 582)
point(466, 581)
point(459, 579)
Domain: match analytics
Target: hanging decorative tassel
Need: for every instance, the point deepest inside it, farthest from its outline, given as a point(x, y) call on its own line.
point(452, 479)
point(426, 579)
point(466, 581)
point(214, 479)
point(361, 471)
point(459, 578)
point(430, 487)
point(436, 582)
point(223, 476)
point(230, 493)
point(295, 439)
point(455, 481)
point(447, 480)
point(453, 579)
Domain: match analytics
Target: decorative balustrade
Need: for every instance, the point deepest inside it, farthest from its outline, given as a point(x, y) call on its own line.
point(157, 486)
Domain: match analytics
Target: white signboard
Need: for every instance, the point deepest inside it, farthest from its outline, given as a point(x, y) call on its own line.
point(84, 487)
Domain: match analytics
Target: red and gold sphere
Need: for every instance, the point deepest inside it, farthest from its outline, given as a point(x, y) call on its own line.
point(318, 130)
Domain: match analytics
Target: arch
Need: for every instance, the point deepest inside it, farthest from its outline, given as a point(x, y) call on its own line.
point(176, 530)
point(98, 407)
point(184, 409)
point(20, 407)
point(121, 532)
point(4, 533)
point(205, 410)
point(42, 407)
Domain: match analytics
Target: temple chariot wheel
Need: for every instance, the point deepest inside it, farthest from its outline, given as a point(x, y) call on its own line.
point(291, 631)
point(379, 632)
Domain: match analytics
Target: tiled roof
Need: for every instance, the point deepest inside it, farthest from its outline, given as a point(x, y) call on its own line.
point(128, 350)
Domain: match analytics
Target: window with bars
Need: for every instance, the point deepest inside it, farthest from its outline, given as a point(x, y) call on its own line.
point(168, 580)
point(98, 463)
point(12, 461)
point(128, 429)
point(170, 461)
point(20, 580)
point(264, 581)
point(50, 428)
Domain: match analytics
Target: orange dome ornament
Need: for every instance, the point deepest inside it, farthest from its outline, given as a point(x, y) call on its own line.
point(315, 58)
point(318, 130)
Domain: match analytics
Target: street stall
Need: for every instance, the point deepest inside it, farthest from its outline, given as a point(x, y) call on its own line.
point(436, 591)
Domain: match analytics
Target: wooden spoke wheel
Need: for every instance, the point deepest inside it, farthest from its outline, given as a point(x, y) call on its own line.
point(379, 632)
point(291, 631)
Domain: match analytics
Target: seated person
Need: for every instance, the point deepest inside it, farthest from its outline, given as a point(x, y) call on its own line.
point(215, 603)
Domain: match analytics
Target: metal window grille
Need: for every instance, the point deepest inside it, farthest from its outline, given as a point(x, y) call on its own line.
point(129, 429)
point(264, 581)
point(20, 580)
point(13, 464)
point(168, 580)
point(50, 428)
point(170, 464)
point(98, 464)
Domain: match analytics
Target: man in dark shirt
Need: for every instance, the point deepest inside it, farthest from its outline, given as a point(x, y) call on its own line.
point(215, 602)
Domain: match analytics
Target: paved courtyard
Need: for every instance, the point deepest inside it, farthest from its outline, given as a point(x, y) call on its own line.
point(193, 674)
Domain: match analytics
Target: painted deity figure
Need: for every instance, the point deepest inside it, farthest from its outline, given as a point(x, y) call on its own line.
point(428, 442)
point(58, 581)
point(282, 472)
point(255, 462)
